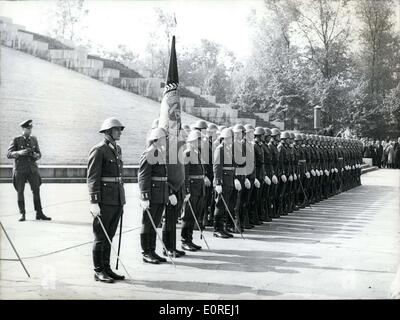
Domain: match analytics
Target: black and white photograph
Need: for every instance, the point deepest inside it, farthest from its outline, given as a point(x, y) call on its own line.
point(215, 150)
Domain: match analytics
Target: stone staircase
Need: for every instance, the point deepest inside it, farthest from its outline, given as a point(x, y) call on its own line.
point(365, 168)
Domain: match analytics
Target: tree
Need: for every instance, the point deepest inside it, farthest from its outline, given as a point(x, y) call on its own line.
point(69, 15)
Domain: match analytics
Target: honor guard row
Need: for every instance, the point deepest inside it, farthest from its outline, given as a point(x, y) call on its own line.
point(235, 178)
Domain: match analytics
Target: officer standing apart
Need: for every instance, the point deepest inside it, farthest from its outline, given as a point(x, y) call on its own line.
point(25, 152)
point(107, 196)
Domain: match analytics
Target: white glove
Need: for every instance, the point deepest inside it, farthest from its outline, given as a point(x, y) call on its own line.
point(336, 170)
point(321, 173)
point(268, 180)
point(274, 179)
point(283, 177)
point(326, 173)
point(257, 183)
point(308, 175)
point(238, 186)
point(313, 172)
point(342, 169)
point(145, 204)
point(247, 183)
point(290, 178)
point(187, 197)
point(318, 173)
point(295, 176)
point(207, 182)
point(218, 189)
point(332, 170)
point(173, 200)
point(347, 167)
point(95, 210)
point(353, 167)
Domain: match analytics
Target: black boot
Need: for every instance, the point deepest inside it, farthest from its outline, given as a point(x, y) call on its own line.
point(195, 246)
point(22, 217)
point(112, 274)
point(40, 216)
point(149, 258)
point(186, 246)
point(153, 237)
point(102, 276)
point(219, 234)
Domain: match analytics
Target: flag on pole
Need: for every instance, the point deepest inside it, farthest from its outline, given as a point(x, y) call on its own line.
point(170, 120)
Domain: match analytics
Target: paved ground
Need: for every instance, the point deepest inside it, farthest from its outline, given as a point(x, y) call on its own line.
point(345, 247)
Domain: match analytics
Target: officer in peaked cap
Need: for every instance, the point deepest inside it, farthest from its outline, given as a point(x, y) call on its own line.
point(25, 151)
point(107, 196)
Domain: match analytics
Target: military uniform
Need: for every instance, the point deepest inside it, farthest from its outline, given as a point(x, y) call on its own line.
point(194, 181)
point(224, 173)
point(25, 169)
point(153, 185)
point(276, 166)
point(105, 183)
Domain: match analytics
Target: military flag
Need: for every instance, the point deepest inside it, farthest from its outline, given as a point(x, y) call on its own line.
point(170, 119)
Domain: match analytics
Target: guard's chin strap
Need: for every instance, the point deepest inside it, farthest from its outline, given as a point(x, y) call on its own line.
point(110, 139)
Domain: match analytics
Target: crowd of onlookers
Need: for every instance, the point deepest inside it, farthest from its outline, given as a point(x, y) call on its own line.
point(384, 154)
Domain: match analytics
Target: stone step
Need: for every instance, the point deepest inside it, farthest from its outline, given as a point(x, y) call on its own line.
point(67, 180)
point(368, 169)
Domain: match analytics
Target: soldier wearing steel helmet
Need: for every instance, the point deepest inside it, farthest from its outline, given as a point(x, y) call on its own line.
point(267, 194)
point(277, 166)
point(107, 195)
point(292, 179)
point(212, 131)
point(155, 192)
point(300, 171)
point(259, 172)
point(205, 150)
point(195, 187)
point(239, 162)
point(224, 173)
point(285, 170)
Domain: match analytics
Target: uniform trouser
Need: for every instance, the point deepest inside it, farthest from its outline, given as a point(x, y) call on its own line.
point(274, 199)
point(220, 213)
point(248, 208)
point(148, 234)
point(170, 217)
point(34, 179)
point(197, 203)
point(208, 207)
point(261, 201)
point(281, 196)
point(110, 216)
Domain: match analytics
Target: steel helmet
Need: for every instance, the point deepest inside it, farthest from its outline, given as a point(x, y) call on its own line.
point(292, 135)
point(298, 137)
point(249, 127)
point(200, 124)
point(220, 128)
point(212, 127)
point(238, 128)
point(226, 133)
point(285, 135)
point(157, 133)
point(304, 136)
point(111, 123)
point(267, 131)
point(259, 131)
point(275, 132)
point(193, 135)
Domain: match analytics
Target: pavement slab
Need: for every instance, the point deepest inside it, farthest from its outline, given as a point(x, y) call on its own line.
point(345, 247)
